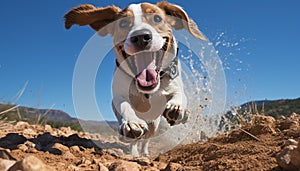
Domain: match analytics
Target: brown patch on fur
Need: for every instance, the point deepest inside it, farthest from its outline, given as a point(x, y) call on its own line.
point(163, 28)
point(97, 18)
point(138, 100)
point(120, 34)
point(180, 19)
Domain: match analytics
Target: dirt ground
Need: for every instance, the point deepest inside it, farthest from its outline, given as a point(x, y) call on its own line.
point(254, 146)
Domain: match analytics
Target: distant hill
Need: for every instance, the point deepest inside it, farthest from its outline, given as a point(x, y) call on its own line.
point(55, 118)
point(45, 114)
point(49, 115)
point(275, 108)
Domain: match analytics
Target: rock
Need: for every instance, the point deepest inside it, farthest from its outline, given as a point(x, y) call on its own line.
point(95, 137)
point(124, 165)
point(87, 162)
point(73, 168)
point(143, 161)
point(56, 148)
point(60, 165)
point(6, 164)
point(96, 160)
point(294, 115)
point(66, 131)
point(75, 148)
point(22, 147)
point(28, 147)
point(151, 169)
point(4, 154)
point(30, 163)
point(29, 131)
point(289, 157)
point(69, 155)
point(48, 128)
point(22, 125)
point(30, 144)
point(60, 147)
point(102, 167)
point(115, 152)
point(173, 167)
point(32, 150)
point(84, 162)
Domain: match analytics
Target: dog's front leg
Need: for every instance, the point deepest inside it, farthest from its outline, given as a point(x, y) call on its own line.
point(176, 112)
point(130, 125)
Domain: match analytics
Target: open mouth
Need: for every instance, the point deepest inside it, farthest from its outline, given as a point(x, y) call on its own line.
point(146, 66)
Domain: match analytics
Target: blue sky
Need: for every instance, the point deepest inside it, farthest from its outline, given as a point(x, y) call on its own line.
point(262, 60)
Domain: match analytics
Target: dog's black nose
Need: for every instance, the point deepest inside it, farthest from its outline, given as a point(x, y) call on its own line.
point(141, 38)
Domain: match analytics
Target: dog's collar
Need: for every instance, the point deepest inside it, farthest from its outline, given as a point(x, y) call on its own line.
point(171, 70)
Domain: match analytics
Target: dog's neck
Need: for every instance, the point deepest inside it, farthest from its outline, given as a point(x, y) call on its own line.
point(172, 70)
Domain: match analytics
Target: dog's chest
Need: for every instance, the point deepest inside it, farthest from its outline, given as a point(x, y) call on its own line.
point(147, 109)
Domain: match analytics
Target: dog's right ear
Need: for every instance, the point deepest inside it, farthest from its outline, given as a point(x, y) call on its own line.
point(97, 18)
point(179, 19)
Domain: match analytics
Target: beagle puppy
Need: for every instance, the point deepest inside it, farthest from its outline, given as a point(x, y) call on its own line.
point(147, 81)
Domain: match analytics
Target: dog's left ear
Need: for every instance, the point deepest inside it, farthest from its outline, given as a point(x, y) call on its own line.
point(97, 18)
point(180, 19)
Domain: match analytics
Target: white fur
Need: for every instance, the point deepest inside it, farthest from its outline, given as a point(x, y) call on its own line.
point(137, 12)
point(121, 101)
point(157, 42)
point(122, 86)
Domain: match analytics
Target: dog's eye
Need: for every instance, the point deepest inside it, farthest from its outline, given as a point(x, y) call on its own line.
point(157, 19)
point(124, 23)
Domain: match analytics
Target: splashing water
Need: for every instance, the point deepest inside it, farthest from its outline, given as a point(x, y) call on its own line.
point(205, 88)
point(205, 85)
point(234, 52)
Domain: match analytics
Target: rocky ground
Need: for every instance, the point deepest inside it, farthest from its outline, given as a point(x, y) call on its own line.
point(262, 144)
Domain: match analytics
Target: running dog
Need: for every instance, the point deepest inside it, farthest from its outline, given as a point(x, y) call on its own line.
point(147, 82)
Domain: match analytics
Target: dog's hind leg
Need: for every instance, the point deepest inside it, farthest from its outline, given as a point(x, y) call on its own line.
point(134, 148)
point(153, 126)
point(145, 148)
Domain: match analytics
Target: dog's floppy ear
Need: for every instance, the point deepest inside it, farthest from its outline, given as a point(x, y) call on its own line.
point(97, 18)
point(180, 19)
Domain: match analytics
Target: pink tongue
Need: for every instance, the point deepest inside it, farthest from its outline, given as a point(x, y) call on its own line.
point(147, 75)
point(147, 78)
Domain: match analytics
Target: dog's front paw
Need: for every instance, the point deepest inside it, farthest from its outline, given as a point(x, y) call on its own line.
point(132, 130)
point(175, 114)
